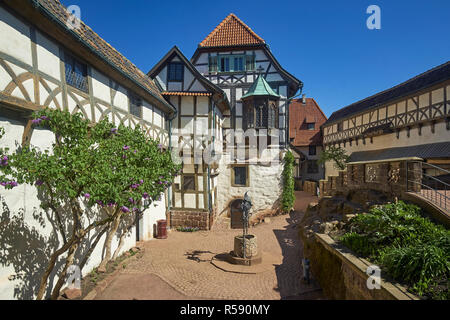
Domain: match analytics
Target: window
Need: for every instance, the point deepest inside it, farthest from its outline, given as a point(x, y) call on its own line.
point(261, 115)
point(240, 176)
point(231, 63)
point(175, 71)
point(212, 63)
point(311, 126)
point(312, 150)
point(340, 126)
point(76, 73)
point(135, 105)
point(312, 166)
point(188, 183)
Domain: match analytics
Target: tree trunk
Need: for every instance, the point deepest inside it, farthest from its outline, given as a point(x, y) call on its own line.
point(108, 240)
point(51, 265)
point(122, 236)
point(92, 247)
point(62, 277)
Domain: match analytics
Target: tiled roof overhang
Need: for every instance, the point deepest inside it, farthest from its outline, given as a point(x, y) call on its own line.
point(424, 151)
point(56, 15)
point(422, 81)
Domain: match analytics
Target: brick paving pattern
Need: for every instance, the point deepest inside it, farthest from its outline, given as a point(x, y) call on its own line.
point(183, 261)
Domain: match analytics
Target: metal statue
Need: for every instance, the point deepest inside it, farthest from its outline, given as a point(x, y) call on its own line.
point(245, 206)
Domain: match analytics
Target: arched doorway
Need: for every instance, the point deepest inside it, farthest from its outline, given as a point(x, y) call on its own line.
point(236, 214)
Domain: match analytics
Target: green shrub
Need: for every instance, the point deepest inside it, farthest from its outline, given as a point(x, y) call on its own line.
point(410, 248)
point(288, 195)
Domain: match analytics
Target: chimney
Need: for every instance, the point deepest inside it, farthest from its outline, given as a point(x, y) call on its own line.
point(304, 98)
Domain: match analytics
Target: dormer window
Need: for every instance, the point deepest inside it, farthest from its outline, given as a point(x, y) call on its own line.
point(76, 73)
point(311, 126)
point(135, 105)
point(175, 71)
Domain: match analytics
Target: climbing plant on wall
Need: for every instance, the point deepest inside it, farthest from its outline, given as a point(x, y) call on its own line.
point(288, 195)
point(93, 177)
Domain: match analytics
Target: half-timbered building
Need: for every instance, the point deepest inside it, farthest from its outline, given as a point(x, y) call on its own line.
point(238, 61)
point(305, 138)
point(411, 119)
point(47, 62)
point(196, 133)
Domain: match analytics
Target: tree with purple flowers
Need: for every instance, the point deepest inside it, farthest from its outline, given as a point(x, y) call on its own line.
point(98, 168)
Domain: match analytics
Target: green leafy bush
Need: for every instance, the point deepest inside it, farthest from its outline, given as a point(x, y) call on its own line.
point(410, 248)
point(288, 196)
point(187, 229)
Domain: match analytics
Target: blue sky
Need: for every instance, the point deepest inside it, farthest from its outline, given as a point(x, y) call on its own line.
point(326, 44)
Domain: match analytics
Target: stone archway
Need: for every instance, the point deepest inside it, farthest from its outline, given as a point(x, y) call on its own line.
point(236, 214)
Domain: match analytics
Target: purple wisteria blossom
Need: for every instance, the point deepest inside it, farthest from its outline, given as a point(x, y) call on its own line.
point(131, 200)
point(4, 161)
point(141, 181)
point(124, 209)
point(36, 121)
point(39, 182)
point(87, 195)
point(126, 147)
point(9, 183)
point(145, 195)
point(114, 130)
point(44, 118)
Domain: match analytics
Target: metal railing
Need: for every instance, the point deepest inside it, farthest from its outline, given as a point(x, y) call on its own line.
point(434, 185)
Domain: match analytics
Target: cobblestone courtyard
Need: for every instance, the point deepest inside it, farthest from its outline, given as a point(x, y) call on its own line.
point(180, 266)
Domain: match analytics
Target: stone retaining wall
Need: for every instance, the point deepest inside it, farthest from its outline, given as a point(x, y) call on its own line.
point(343, 276)
point(310, 187)
point(389, 176)
point(193, 219)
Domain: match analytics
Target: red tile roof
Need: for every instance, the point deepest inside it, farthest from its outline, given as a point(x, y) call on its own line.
point(231, 32)
point(57, 10)
point(185, 93)
point(299, 115)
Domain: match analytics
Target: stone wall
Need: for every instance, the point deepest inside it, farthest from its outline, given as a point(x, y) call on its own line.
point(264, 188)
point(343, 276)
point(389, 176)
point(310, 187)
point(193, 219)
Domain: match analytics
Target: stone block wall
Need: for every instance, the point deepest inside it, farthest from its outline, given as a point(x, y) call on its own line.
point(310, 187)
point(193, 219)
point(390, 176)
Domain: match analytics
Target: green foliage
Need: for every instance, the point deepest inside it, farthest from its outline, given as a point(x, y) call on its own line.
point(288, 195)
point(99, 164)
point(335, 154)
point(411, 248)
point(93, 166)
point(187, 229)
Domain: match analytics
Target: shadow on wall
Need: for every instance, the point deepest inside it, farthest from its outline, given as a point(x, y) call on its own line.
point(25, 247)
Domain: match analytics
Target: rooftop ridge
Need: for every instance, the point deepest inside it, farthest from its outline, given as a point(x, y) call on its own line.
point(221, 25)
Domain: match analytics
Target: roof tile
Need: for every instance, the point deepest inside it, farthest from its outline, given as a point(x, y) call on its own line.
point(299, 115)
point(102, 47)
point(230, 32)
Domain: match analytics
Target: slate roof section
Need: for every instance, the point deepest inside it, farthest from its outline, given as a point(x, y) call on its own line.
point(101, 47)
point(427, 79)
point(299, 115)
point(260, 88)
point(425, 151)
point(231, 32)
